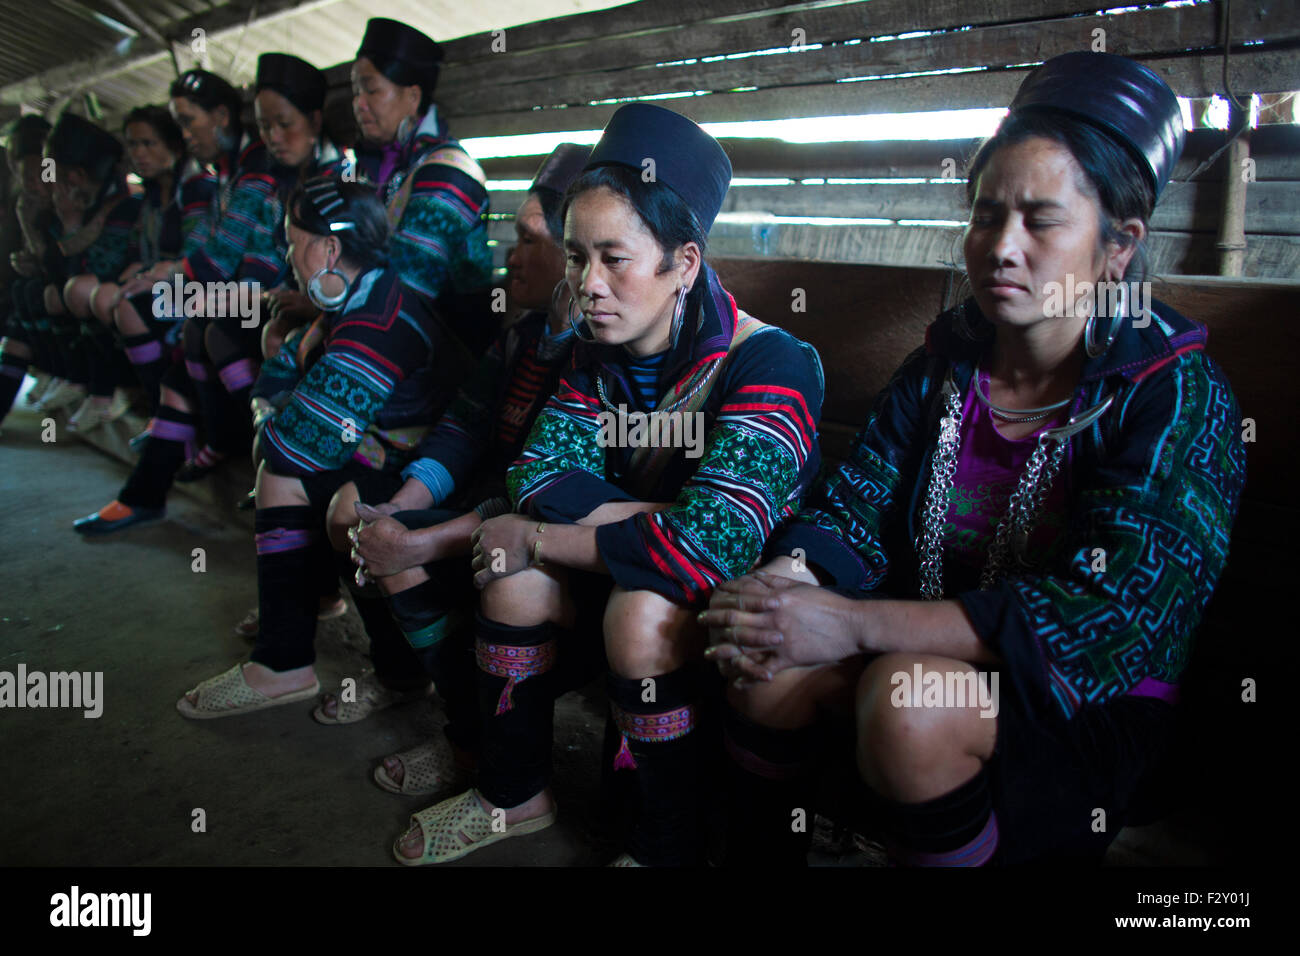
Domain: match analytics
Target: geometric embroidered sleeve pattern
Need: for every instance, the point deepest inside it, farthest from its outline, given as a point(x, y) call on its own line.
point(745, 485)
point(366, 355)
point(1161, 511)
point(560, 474)
point(241, 244)
point(440, 245)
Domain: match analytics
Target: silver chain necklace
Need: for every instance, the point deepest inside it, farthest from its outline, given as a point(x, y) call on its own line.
point(1011, 539)
point(604, 399)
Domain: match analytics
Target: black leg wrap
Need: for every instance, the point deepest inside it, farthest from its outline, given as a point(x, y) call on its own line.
point(162, 456)
point(659, 754)
point(770, 792)
point(286, 595)
point(517, 703)
point(439, 626)
point(396, 665)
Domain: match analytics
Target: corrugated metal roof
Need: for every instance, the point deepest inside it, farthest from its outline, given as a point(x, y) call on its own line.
point(66, 48)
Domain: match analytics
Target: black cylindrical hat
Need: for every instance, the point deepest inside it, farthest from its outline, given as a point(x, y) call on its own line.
point(26, 135)
point(561, 168)
point(1121, 97)
point(686, 159)
point(76, 141)
point(295, 79)
point(393, 40)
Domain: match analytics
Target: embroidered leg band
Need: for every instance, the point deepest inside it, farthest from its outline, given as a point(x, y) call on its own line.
point(516, 701)
point(662, 800)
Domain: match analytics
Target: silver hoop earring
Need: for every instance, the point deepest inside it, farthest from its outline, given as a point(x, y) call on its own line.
point(403, 129)
point(579, 328)
point(318, 298)
point(1091, 345)
point(679, 312)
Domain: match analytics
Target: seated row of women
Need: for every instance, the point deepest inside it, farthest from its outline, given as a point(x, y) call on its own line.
point(759, 618)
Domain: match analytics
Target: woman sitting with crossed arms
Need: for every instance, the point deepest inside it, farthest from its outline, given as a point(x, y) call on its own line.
point(1056, 482)
point(630, 535)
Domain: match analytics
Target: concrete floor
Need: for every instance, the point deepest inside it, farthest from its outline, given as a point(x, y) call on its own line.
point(276, 787)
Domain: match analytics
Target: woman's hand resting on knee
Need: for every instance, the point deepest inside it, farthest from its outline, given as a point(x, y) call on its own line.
point(502, 546)
point(763, 623)
point(382, 545)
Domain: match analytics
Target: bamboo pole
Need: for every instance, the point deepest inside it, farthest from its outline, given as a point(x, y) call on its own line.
point(1237, 173)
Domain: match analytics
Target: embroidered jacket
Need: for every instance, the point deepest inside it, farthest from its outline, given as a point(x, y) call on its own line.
point(484, 428)
point(237, 240)
point(759, 454)
point(166, 227)
point(362, 382)
point(1154, 483)
point(109, 250)
point(439, 244)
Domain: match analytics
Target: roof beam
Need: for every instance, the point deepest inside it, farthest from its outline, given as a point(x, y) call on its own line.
point(66, 78)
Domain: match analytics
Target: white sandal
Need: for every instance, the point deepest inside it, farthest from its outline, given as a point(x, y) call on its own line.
point(427, 768)
point(443, 824)
point(229, 694)
point(371, 697)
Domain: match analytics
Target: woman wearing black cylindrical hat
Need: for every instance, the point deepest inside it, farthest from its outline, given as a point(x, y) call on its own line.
point(236, 243)
point(288, 107)
point(1054, 475)
point(435, 193)
point(623, 536)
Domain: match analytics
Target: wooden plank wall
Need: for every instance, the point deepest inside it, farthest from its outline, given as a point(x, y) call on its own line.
point(735, 59)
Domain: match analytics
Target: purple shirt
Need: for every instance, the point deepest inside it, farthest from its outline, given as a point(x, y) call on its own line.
point(989, 467)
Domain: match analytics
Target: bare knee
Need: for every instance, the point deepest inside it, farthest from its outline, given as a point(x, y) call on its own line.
point(402, 580)
point(531, 597)
point(101, 302)
point(127, 319)
point(278, 491)
point(647, 635)
point(910, 747)
point(77, 293)
point(794, 697)
point(341, 515)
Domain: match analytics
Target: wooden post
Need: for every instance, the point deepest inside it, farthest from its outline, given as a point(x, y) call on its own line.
point(1232, 227)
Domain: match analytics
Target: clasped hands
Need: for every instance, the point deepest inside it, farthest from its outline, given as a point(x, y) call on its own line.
point(762, 623)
